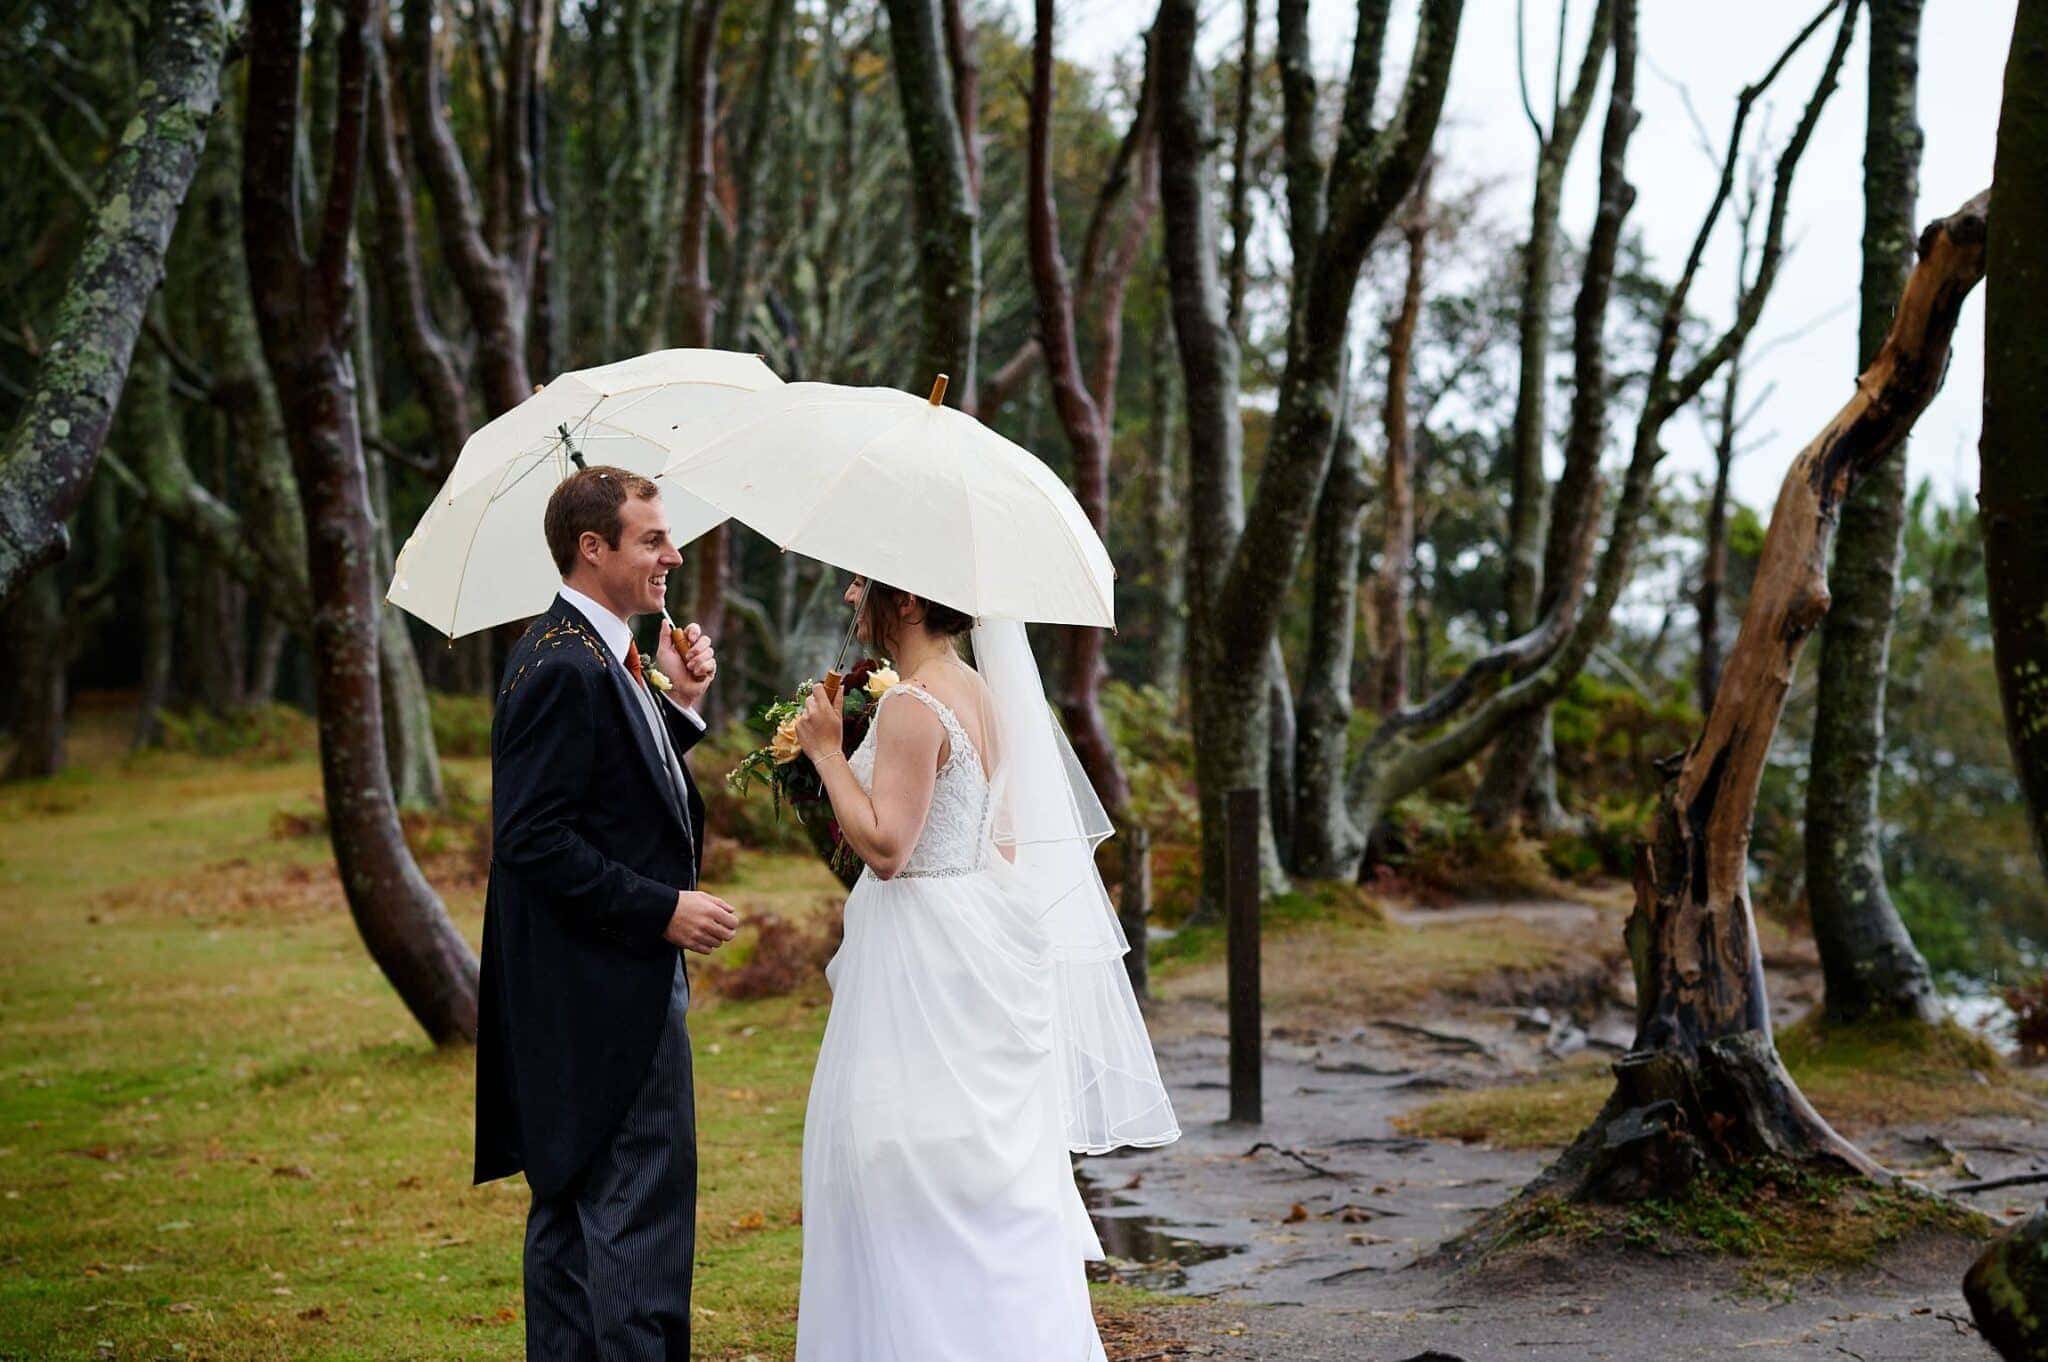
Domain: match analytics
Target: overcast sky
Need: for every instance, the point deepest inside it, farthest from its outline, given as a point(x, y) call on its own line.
point(1714, 49)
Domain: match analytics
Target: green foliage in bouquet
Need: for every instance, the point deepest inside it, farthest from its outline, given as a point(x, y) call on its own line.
point(790, 776)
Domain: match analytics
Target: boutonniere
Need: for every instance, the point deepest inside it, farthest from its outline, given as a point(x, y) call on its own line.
point(655, 676)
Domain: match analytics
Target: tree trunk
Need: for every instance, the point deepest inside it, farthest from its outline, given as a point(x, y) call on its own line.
point(1333, 219)
point(1165, 526)
point(1520, 778)
point(1390, 588)
point(1867, 957)
point(1134, 908)
point(1240, 166)
point(158, 636)
point(48, 456)
point(1323, 845)
point(943, 208)
point(1528, 497)
point(263, 545)
point(2013, 499)
point(1084, 415)
point(408, 715)
point(34, 627)
point(401, 271)
point(302, 308)
point(695, 302)
point(1276, 852)
point(267, 659)
point(1703, 1086)
point(493, 276)
point(1714, 558)
point(2004, 1287)
point(1227, 705)
point(752, 165)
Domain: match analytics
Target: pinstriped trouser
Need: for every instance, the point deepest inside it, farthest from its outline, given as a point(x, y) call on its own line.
point(608, 1261)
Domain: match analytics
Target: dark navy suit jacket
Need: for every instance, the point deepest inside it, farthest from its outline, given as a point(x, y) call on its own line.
point(589, 848)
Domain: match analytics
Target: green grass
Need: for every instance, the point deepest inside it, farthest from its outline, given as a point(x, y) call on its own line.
point(222, 1136)
point(1329, 955)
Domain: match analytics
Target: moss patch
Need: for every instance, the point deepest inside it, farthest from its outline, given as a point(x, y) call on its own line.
point(1784, 1221)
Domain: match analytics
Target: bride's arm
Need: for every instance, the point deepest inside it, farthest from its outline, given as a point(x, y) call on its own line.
point(883, 827)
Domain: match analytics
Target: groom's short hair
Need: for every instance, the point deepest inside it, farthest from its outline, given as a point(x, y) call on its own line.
point(589, 499)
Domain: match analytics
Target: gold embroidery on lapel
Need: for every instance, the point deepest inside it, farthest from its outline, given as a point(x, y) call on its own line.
point(558, 633)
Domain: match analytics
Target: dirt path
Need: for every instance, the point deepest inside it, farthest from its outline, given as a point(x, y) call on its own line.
point(1305, 1234)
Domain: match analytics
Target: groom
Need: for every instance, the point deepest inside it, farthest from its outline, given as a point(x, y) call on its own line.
point(583, 1062)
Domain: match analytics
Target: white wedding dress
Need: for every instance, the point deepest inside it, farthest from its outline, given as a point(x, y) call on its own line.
point(941, 1218)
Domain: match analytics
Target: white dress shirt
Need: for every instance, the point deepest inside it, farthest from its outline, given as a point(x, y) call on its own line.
point(618, 636)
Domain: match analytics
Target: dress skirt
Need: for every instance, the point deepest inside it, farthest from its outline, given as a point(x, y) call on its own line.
point(942, 1222)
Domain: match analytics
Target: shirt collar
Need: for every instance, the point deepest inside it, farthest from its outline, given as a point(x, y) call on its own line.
point(616, 633)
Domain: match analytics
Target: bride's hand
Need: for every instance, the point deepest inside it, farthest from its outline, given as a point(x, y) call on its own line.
point(818, 728)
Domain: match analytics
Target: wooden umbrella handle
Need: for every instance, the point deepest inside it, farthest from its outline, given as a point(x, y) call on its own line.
point(831, 684)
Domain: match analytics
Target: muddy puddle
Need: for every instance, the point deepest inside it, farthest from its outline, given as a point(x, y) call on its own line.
point(1141, 1250)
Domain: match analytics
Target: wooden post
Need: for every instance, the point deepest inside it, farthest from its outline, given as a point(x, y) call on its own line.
point(1241, 818)
point(1136, 906)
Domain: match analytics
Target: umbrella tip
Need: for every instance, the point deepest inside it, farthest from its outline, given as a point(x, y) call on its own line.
point(939, 390)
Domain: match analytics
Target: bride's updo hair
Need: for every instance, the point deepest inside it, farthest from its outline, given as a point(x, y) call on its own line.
point(882, 611)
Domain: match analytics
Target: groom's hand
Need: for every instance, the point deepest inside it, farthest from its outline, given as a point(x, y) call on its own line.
point(686, 657)
point(702, 922)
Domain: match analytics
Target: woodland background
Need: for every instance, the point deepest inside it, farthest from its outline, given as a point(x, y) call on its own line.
point(1377, 444)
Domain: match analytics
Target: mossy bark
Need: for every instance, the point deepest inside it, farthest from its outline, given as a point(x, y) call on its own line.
point(1225, 757)
point(50, 453)
point(1868, 959)
point(2014, 495)
point(943, 207)
point(2007, 1288)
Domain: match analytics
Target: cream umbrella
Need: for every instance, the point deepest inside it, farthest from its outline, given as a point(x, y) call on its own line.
point(478, 558)
point(904, 490)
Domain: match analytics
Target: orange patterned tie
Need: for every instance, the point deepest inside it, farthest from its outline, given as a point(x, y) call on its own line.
point(633, 666)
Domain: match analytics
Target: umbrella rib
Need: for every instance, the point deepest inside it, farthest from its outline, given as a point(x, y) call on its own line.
point(973, 538)
point(462, 577)
point(842, 476)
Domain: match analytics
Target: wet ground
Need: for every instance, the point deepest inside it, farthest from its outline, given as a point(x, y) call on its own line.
point(1307, 1236)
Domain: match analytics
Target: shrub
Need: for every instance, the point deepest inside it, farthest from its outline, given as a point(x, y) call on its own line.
point(1604, 844)
point(749, 820)
point(462, 724)
point(262, 733)
point(783, 957)
point(2029, 1004)
point(1435, 847)
point(1158, 758)
point(1609, 737)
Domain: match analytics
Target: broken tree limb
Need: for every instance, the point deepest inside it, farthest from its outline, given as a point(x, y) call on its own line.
point(1703, 1084)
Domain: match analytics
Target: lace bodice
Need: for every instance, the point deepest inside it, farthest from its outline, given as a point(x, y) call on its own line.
point(955, 836)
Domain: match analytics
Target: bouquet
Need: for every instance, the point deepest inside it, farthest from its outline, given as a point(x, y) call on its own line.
point(780, 763)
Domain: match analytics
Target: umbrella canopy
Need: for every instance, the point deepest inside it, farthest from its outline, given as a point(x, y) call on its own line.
point(903, 490)
point(478, 556)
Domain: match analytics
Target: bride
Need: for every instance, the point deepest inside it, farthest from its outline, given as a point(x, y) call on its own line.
point(982, 1026)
